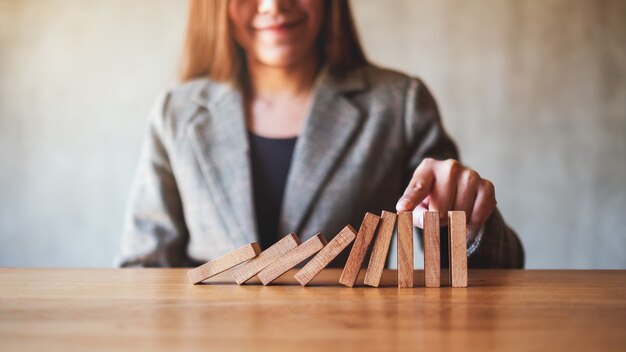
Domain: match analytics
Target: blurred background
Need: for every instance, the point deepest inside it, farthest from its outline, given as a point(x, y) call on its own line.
point(534, 92)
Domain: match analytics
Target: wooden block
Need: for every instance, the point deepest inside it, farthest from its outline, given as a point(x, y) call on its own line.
point(380, 250)
point(405, 249)
point(457, 242)
point(224, 262)
point(326, 255)
point(359, 249)
point(432, 248)
point(292, 258)
point(246, 271)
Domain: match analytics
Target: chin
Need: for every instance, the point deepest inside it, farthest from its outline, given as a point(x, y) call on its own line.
point(281, 57)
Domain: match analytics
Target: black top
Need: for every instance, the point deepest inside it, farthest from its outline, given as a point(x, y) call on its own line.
point(270, 159)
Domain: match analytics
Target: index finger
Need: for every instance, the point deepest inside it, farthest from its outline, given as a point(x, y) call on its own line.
point(419, 188)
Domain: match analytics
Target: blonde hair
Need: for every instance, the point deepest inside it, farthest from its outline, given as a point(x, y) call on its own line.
point(211, 51)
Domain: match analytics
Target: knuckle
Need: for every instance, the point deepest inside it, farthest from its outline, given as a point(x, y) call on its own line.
point(474, 176)
point(416, 186)
point(427, 161)
point(451, 162)
point(489, 189)
point(470, 177)
point(453, 167)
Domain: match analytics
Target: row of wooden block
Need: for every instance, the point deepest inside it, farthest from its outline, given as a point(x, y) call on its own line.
point(288, 252)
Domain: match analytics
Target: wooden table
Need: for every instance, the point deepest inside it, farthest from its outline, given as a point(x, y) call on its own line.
point(157, 309)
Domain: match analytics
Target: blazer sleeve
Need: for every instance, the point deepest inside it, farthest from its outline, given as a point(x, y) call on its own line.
point(155, 234)
point(499, 246)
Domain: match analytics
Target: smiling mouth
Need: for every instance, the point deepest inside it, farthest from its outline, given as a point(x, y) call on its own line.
point(279, 27)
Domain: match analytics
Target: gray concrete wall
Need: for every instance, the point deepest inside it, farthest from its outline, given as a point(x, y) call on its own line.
point(533, 91)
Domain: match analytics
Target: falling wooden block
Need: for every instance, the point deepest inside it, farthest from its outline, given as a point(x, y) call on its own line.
point(292, 258)
point(246, 271)
point(326, 255)
point(359, 249)
point(380, 250)
point(432, 248)
point(457, 242)
point(224, 262)
point(405, 249)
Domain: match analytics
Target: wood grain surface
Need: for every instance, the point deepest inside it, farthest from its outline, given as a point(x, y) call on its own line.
point(224, 262)
point(359, 250)
point(159, 310)
point(432, 249)
point(292, 258)
point(321, 260)
point(380, 249)
point(405, 249)
point(246, 271)
point(457, 239)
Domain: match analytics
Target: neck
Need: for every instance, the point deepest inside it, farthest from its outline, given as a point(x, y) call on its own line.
point(268, 82)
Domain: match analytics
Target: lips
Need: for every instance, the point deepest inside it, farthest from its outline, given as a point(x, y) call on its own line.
point(279, 26)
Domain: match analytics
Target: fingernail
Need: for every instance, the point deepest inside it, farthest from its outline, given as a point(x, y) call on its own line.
point(471, 233)
point(403, 204)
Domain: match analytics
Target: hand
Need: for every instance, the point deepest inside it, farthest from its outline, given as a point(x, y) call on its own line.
point(448, 185)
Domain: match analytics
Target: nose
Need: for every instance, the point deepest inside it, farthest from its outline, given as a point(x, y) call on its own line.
point(273, 7)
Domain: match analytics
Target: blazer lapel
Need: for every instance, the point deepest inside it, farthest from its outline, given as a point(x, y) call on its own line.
point(220, 142)
point(332, 123)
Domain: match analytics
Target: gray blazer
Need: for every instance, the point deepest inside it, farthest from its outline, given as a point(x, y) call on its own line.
point(192, 199)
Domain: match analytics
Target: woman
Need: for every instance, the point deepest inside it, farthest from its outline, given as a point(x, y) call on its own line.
point(281, 125)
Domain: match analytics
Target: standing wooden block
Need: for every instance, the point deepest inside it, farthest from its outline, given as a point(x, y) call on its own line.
point(359, 249)
point(432, 248)
point(326, 255)
point(224, 262)
point(246, 271)
point(292, 258)
point(380, 250)
point(457, 241)
point(405, 249)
